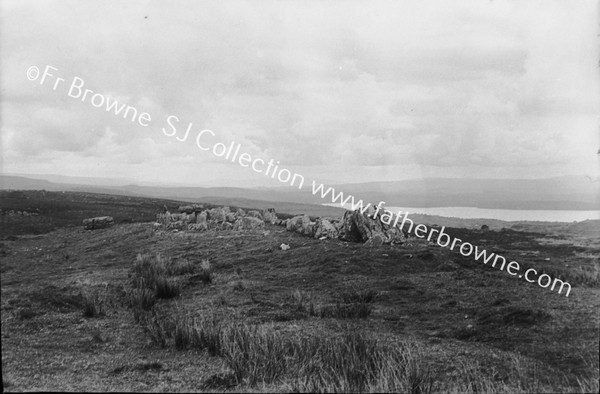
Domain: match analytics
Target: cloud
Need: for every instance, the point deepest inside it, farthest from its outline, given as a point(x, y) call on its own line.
point(503, 85)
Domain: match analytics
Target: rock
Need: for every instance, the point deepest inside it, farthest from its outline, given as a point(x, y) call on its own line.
point(324, 228)
point(186, 209)
point(248, 223)
point(375, 241)
point(394, 235)
point(198, 207)
point(198, 227)
point(269, 216)
point(201, 217)
point(231, 217)
point(98, 222)
point(284, 246)
point(218, 215)
point(240, 213)
point(301, 225)
point(254, 214)
point(359, 227)
point(294, 224)
point(178, 225)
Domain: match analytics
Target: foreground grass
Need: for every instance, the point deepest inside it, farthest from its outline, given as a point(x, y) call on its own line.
point(261, 356)
point(77, 315)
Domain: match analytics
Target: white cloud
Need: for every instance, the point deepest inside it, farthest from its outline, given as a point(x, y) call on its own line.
point(468, 87)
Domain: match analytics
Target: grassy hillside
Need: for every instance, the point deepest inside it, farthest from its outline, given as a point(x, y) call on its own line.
point(135, 309)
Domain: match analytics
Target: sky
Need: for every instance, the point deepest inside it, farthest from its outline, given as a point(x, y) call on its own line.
point(339, 92)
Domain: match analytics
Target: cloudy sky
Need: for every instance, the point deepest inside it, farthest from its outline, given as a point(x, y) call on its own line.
point(336, 91)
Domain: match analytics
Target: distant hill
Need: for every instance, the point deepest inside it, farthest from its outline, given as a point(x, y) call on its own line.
point(562, 193)
point(568, 193)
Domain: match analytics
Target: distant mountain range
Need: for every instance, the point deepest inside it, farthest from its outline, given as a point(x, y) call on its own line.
point(561, 193)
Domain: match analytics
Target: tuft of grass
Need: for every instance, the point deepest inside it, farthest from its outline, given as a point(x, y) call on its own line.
point(206, 272)
point(166, 288)
point(182, 267)
point(191, 333)
point(153, 273)
point(359, 296)
point(94, 305)
point(255, 355)
point(302, 302)
point(353, 305)
point(143, 299)
point(158, 326)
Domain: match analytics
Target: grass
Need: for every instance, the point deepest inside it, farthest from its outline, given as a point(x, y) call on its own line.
point(94, 304)
point(353, 361)
point(206, 272)
point(514, 337)
point(259, 355)
point(154, 273)
point(355, 310)
point(354, 304)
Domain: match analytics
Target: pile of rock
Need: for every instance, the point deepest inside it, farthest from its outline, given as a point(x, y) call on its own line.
point(354, 227)
point(199, 219)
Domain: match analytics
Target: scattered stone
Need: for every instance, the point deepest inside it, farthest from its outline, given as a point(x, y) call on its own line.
point(98, 222)
point(284, 246)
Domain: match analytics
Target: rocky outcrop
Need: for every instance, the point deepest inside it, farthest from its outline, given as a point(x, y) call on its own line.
point(359, 227)
point(325, 228)
point(301, 225)
point(98, 222)
point(194, 218)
